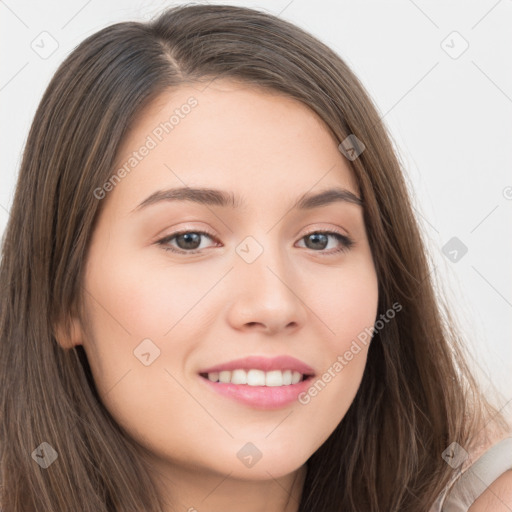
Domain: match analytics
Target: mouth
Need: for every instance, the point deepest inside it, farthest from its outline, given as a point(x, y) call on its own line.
point(259, 382)
point(258, 389)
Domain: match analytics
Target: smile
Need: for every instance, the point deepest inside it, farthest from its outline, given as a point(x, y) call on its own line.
point(256, 395)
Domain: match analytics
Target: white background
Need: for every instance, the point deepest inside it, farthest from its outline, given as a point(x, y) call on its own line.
point(451, 119)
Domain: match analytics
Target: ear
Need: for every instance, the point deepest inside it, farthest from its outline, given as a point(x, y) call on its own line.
point(68, 332)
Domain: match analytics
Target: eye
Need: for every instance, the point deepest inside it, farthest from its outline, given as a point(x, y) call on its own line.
point(320, 239)
point(186, 240)
point(189, 242)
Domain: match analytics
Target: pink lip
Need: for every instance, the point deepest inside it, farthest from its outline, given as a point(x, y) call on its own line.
point(260, 397)
point(263, 363)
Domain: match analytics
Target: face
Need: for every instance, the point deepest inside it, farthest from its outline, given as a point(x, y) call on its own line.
point(178, 286)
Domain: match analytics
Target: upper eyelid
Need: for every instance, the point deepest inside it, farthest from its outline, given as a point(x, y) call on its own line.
point(314, 229)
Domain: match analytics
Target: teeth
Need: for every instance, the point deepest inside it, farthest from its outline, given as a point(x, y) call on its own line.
point(238, 377)
point(296, 376)
point(225, 376)
point(257, 377)
point(214, 377)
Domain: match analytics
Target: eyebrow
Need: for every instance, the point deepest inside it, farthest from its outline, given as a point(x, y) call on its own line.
point(215, 197)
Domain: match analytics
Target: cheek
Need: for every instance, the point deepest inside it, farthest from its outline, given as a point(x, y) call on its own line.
point(138, 306)
point(135, 298)
point(346, 302)
point(347, 307)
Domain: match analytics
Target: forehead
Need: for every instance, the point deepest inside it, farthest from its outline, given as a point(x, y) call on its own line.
point(234, 136)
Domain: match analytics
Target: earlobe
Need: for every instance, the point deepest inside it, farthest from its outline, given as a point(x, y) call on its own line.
point(68, 333)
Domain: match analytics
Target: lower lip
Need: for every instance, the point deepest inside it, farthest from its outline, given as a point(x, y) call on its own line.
point(261, 397)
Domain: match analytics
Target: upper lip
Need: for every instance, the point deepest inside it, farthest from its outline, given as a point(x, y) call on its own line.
point(263, 363)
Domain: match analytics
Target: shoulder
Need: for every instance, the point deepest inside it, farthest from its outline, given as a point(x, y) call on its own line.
point(497, 497)
point(484, 482)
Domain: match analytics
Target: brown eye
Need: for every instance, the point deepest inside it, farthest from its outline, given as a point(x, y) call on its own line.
point(319, 240)
point(187, 242)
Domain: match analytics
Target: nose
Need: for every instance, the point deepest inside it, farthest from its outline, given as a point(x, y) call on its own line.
point(267, 295)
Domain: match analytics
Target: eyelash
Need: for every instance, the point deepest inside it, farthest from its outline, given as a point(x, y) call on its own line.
point(346, 242)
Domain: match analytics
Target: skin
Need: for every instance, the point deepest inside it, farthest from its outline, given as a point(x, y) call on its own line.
point(212, 307)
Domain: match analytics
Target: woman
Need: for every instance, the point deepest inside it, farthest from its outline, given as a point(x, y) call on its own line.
point(293, 357)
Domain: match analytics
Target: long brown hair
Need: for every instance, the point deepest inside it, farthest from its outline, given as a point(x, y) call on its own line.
point(416, 396)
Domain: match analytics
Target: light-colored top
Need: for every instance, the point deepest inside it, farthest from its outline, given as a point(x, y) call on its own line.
point(469, 484)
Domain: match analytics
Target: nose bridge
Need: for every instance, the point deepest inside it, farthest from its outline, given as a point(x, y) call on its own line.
point(264, 267)
point(261, 250)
